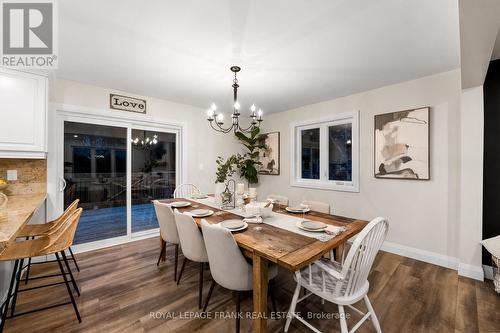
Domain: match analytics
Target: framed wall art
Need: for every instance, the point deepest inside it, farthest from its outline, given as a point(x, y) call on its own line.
point(402, 145)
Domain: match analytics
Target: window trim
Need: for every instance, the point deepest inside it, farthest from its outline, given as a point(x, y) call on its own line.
point(323, 123)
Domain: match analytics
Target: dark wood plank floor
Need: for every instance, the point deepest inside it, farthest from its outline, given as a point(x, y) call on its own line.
point(121, 286)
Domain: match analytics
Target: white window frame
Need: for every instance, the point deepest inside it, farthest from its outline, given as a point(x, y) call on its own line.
point(323, 183)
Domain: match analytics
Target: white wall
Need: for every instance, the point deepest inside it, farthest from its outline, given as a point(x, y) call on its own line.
point(423, 215)
point(471, 189)
point(203, 143)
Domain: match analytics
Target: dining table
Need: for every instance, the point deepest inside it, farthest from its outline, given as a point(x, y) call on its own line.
point(264, 243)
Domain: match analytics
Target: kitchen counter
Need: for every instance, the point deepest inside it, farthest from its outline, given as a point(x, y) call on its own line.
point(17, 213)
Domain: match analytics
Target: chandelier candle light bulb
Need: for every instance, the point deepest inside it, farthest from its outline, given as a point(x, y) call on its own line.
point(220, 119)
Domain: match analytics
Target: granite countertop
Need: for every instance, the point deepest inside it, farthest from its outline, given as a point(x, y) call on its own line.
point(17, 212)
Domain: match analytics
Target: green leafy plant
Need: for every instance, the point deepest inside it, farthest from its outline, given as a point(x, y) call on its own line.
point(249, 162)
point(226, 168)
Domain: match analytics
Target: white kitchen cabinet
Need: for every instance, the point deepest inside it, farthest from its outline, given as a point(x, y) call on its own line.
point(23, 114)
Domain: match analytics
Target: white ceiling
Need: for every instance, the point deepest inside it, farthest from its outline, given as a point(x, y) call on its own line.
point(293, 52)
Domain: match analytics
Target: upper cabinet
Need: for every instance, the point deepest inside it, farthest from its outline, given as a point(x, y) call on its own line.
point(23, 114)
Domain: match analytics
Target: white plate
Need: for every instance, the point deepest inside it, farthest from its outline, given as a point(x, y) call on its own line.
point(180, 204)
point(245, 225)
point(200, 212)
point(232, 224)
point(299, 225)
point(313, 225)
point(298, 211)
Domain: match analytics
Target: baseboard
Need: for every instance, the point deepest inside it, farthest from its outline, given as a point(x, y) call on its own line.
point(422, 255)
point(470, 271)
point(488, 272)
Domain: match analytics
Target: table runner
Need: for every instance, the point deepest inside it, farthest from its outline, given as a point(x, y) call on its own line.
point(277, 220)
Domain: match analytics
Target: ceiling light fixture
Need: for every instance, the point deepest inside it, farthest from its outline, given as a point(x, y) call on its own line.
point(216, 120)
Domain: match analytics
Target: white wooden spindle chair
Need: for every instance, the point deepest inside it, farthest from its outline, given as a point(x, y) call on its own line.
point(343, 284)
point(186, 191)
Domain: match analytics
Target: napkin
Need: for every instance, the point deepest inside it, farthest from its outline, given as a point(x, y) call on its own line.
point(330, 232)
point(256, 219)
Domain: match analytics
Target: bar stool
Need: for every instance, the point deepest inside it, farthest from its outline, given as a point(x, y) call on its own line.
point(56, 243)
point(36, 230)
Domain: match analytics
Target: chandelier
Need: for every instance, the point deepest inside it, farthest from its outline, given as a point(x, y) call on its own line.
point(216, 120)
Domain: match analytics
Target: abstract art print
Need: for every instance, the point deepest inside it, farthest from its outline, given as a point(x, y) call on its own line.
point(402, 144)
point(269, 156)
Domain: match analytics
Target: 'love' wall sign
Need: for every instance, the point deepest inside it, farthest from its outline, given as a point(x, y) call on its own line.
point(124, 103)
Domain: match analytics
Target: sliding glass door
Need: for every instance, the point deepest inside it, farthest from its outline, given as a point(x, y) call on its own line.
point(153, 174)
point(95, 163)
point(116, 172)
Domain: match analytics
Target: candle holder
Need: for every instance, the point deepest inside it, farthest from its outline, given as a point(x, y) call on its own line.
point(227, 196)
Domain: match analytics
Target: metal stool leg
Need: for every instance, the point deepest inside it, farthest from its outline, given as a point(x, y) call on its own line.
point(18, 282)
point(68, 288)
point(70, 273)
point(74, 259)
point(6, 304)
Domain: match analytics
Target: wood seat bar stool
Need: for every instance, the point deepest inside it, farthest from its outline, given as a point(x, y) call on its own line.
point(59, 240)
point(37, 230)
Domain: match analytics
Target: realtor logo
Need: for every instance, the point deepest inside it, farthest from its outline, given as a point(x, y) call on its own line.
point(28, 34)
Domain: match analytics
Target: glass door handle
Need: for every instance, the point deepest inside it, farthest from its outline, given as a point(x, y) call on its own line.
point(63, 182)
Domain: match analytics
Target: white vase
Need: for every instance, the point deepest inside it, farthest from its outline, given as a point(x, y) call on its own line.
point(219, 188)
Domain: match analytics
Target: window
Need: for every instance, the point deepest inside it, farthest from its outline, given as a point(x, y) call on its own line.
point(325, 153)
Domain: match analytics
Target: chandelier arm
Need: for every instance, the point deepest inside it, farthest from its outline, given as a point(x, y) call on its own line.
point(219, 128)
point(249, 128)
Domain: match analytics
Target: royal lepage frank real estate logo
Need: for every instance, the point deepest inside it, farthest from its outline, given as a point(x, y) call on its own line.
point(29, 34)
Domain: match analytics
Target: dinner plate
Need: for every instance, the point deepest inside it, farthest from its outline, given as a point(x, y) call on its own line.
point(243, 227)
point(201, 212)
point(299, 225)
point(297, 210)
point(313, 225)
point(232, 224)
point(180, 204)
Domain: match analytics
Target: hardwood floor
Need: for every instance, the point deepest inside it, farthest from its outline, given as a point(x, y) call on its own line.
point(122, 285)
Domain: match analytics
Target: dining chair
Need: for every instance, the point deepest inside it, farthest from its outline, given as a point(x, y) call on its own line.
point(279, 199)
point(317, 206)
point(186, 191)
point(55, 243)
point(168, 231)
point(193, 246)
point(228, 266)
point(37, 230)
point(344, 283)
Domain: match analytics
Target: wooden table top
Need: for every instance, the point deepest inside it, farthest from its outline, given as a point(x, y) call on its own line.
point(17, 212)
point(285, 248)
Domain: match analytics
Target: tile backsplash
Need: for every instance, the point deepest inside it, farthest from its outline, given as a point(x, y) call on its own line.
point(31, 175)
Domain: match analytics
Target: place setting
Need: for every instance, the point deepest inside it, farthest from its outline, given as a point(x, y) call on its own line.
point(180, 204)
point(200, 212)
point(234, 225)
point(300, 209)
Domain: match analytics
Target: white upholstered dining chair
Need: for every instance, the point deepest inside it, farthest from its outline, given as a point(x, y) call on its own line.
point(343, 284)
point(193, 246)
point(168, 231)
point(317, 206)
point(228, 266)
point(186, 191)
